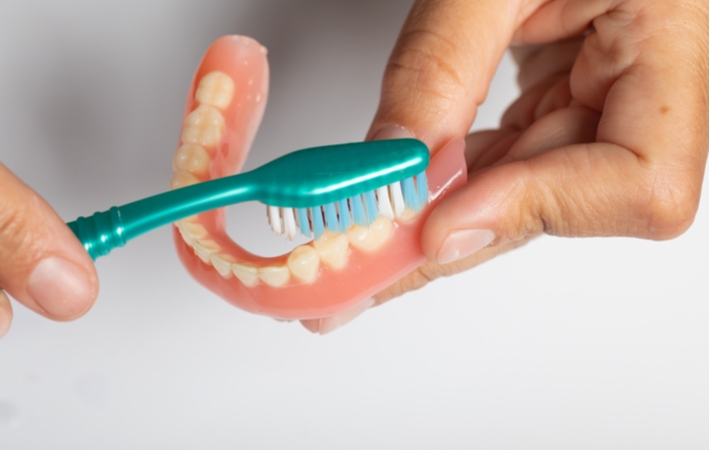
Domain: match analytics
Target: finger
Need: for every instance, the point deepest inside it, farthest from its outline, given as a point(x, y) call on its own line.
point(441, 67)
point(42, 264)
point(327, 324)
point(5, 314)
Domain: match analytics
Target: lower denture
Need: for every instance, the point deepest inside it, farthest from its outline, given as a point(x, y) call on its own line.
point(315, 280)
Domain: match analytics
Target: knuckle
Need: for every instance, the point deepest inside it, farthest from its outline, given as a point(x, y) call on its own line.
point(672, 203)
point(427, 63)
point(15, 232)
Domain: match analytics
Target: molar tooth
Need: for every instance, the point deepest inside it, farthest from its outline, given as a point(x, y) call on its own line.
point(332, 249)
point(222, 264)
point(303, 263)
point(215, 89)
point(192, 158)
point(203, 126)
point(182, 178)
point(246, 274)
point(204, 248)
point(371, 238)
point(274, 276)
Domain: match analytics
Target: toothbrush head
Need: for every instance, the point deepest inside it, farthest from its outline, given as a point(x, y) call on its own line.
point(331, 188)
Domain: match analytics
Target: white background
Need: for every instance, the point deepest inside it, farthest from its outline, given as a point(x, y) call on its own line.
point(562, 344)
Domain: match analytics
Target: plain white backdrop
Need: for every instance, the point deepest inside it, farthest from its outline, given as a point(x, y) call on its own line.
point(562, 344)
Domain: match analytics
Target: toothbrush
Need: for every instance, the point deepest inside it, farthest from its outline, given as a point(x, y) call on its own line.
point(319, 188)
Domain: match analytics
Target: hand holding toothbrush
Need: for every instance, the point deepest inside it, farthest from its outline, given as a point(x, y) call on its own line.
point(42, 264)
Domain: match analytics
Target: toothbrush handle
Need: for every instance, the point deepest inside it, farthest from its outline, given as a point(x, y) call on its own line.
point(99, 233)
point(105, 230)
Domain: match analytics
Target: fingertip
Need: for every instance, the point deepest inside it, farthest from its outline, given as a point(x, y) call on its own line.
point(326, 325)
point(62, 289)
point(5, 313)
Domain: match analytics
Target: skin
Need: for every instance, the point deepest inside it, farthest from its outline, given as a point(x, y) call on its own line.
point(608, 138)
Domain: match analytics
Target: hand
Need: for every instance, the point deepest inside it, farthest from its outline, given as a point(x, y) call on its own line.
point(609, 136)
point(42, 264)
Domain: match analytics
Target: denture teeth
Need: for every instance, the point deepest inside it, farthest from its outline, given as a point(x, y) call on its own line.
point(215, 89)
point(223, 264)
point(245, 273)
point(203, 126)
point(370, 238)
point(204, 248)
point(183, 178)
point(191, 230)
point(332, 249)
point(192, 158)
point(303, 263)
point(274, 276)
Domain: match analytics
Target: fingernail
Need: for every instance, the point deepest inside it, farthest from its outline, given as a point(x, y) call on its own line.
point(461, 243)
point(393, 132)
point(61, 288)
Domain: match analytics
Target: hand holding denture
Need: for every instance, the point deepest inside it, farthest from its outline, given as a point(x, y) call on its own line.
point(609, 136)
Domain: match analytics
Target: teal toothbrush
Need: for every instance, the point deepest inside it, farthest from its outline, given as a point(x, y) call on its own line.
point(319, 188)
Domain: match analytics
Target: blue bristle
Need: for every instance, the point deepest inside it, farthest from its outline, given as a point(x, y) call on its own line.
point(410, 194)
point(317, 218)
point(344, 215)
point(371, 202)
point(331, 217)
point(303, 221)
point(358, 210)
point(422, 189)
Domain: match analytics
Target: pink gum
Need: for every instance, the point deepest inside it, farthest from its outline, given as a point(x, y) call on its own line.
point(334, 290)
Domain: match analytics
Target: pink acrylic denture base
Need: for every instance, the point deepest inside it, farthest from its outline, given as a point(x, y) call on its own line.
point(333, 291)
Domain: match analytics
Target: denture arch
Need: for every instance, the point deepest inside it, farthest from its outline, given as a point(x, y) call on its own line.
point(342, 268)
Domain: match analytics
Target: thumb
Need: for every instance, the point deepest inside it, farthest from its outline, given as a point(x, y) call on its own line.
point(441, 67)
point(42, 264)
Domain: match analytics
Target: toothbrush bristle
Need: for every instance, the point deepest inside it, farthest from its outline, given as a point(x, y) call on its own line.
point(317, 222)
point(390, 201)
point(344, 215)
point(303, 223)
point(331, 217)
point(358, 210)
point(371, 204)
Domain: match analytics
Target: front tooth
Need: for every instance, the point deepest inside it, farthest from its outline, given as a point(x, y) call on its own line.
point(274, 276)
point(332, 249)
point(215, 89)
point(204, 248)
point(223, 264)
point(203, 126)
point(182, 178)
point(371, 238)
point(192, 158)
point(303, 263)
point(246, 274)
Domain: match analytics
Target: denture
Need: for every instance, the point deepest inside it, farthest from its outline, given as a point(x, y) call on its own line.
point(326, 276)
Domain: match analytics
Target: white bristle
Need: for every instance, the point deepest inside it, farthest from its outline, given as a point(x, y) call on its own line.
point(289, 222)
point(384, 205)
point(275, 219)
point(397, 198)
